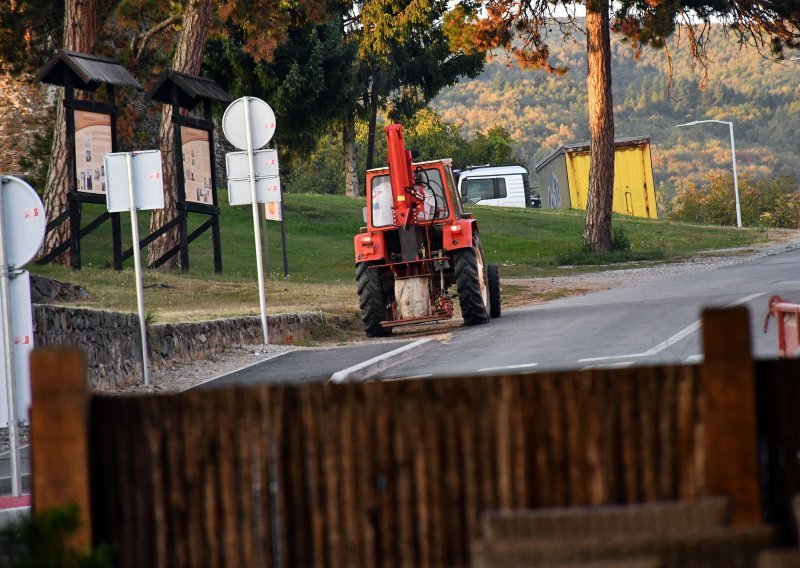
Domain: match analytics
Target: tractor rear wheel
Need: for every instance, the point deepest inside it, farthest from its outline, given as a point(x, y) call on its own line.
point(371, 300)
point(494, 290)
point(473, 288)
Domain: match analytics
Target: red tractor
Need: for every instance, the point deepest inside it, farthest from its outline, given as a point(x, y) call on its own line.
point(418, 242)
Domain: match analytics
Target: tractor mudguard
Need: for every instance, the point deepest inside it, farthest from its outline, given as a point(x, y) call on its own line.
point(370, 247)
point(458, 234)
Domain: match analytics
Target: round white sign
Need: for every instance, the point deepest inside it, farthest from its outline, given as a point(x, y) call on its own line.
point(262, 123)
point(24, 220)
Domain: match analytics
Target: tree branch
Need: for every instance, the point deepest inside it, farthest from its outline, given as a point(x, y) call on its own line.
point(141, 40)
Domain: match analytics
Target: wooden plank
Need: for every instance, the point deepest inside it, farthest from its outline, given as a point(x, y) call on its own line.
point(347, 404)
point(778, 391)
point(404, 417)
point(386, 553)
point(667, 427)
point(367, 498)
point(148, 463)
point(648, 428)
point(313, 417)
point(295, 483)
point(686, 435)
point(731, 436)
point(520, 453)
point(59, 436)
point(629, 430)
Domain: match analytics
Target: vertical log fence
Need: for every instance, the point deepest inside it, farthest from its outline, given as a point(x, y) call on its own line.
point(381, 473)
point(398, 473)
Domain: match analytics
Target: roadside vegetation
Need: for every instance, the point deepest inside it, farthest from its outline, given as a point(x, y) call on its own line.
point(765, 202)
point(319, 234)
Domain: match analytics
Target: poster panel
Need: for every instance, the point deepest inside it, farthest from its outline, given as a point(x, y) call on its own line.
point(196, 165)
point(92, 142)
point(272, 211)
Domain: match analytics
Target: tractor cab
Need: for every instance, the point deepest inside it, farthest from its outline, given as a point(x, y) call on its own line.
point(435, 179)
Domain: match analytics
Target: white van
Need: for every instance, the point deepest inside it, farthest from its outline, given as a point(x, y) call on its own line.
point(501, 186)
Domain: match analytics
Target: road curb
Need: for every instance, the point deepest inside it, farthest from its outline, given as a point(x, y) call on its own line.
point(372, 367)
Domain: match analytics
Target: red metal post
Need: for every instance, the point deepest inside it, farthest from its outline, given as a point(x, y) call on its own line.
point(401, 176)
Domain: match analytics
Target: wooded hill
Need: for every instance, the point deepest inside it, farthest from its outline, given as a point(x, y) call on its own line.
point(540, 111)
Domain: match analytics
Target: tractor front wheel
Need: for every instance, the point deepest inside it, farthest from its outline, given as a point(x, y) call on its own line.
point(371, 300)
point(473, 288)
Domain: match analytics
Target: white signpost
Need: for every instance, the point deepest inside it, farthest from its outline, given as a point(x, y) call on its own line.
point(135, 181)
point(22, 227)
point(268, 184)
point(248, 124)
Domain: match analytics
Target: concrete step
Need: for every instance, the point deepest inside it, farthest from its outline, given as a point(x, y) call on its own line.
point(779, 559)
point(606, 520)
point(712, 547)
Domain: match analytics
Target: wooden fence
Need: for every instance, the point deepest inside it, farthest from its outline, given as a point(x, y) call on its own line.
point(398, 473)
point(381, 473)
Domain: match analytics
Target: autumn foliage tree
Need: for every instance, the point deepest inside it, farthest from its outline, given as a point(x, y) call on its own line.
point(523, 30)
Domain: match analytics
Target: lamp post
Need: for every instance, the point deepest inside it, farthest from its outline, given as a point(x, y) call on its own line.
point(733, 157)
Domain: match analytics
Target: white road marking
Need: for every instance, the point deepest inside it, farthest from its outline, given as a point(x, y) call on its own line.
point(506, 367)
point(788, 283)
point(746, 299)
point(693, 359)
point(372, 367)
point(686, 331)
point(619, 365)
point(423, 376)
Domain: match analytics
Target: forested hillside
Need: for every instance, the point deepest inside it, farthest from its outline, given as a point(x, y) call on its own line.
point(540, 111)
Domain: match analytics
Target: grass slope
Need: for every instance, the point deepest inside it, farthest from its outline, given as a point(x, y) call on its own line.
point(319, 234)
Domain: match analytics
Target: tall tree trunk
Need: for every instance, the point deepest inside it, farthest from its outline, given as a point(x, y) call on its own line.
point(597, 231)
point(80, 34)
point(187, 59)
point(350, 159)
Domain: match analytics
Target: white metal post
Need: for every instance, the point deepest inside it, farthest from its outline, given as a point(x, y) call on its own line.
point(8, 346)
point(259, 261)
point(137, 263)
point(733, 156)
point(735, 180)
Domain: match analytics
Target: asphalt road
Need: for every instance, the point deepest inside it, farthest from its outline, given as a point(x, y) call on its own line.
point(657, 322)
point(652, 323)
point(306, 366)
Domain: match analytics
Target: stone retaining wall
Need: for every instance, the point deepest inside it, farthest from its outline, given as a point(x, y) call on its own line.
point(111, 341)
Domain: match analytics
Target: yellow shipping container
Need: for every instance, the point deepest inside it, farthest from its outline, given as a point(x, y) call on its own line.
point(564, 178)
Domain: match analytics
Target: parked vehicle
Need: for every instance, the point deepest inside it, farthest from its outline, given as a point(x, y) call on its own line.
point(418, 243)
point(501, 186)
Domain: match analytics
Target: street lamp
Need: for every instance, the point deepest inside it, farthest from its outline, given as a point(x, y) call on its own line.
point(733, 156)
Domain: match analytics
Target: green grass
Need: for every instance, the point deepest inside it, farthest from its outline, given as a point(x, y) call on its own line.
point(319, 233)
point(530, 242)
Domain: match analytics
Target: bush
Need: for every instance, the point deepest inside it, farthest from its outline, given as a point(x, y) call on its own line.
point(619, 240)
point(40, 541)
point(773, 202)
